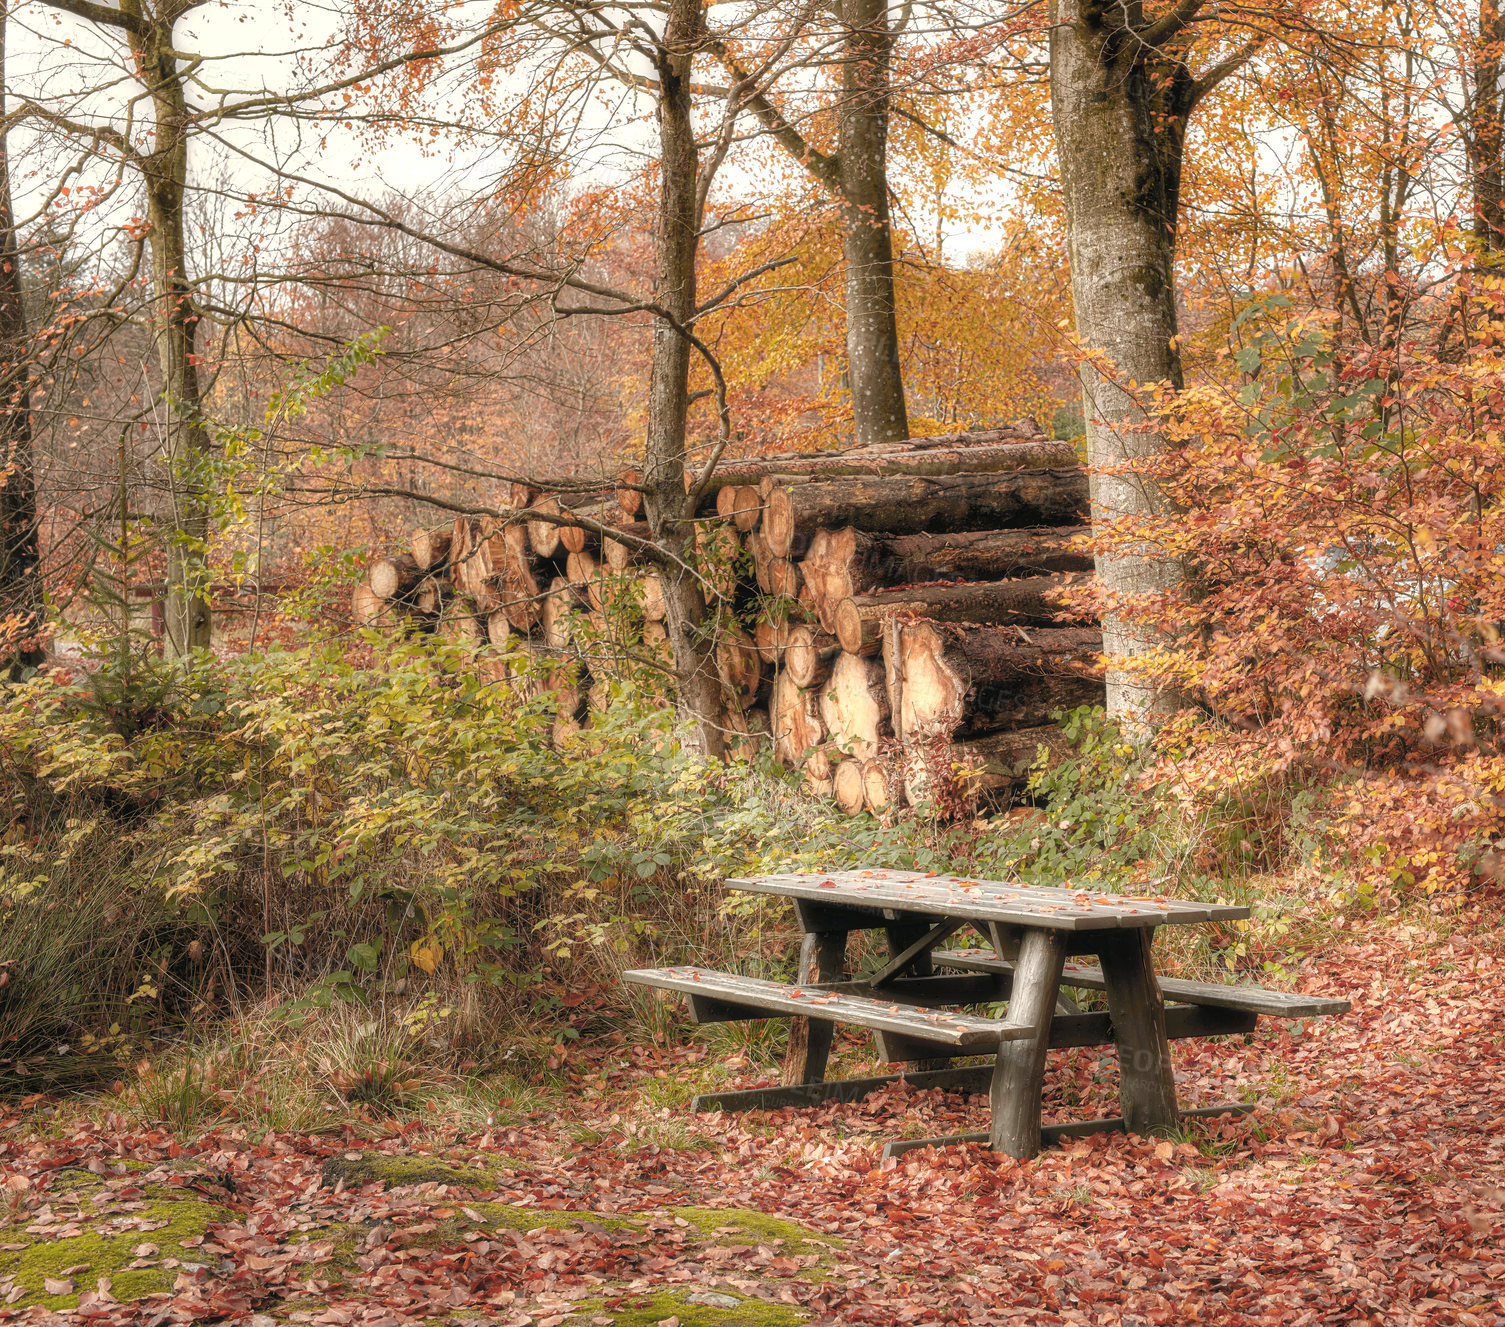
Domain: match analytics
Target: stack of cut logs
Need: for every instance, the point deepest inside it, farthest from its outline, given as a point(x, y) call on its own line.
point(893, 618)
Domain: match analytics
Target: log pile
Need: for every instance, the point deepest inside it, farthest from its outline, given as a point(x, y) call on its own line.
point(892, 620)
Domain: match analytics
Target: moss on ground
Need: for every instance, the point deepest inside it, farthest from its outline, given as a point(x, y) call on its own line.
point(97, 1252)
point(759, 1226)
point(396, 1172)
point(680, 1304)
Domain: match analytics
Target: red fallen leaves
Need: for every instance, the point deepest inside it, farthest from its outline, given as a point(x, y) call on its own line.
point(1367, 1188)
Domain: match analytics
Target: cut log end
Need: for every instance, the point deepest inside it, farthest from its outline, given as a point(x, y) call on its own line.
point(858, 628)
point(630, 499)
point(366, 606)
point(808, 655)
point(854, 705)
point(544, 535)
point(877, 785)
point(430, 548)
point(395, 577)
point(848, 787)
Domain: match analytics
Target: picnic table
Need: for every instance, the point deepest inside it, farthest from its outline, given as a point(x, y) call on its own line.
point(911, 1008)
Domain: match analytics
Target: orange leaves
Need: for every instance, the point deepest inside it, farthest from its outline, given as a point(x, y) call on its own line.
point(1340, 523)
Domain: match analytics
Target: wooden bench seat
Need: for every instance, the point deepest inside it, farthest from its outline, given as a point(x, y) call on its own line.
point(717, 997)
point(1249, 999)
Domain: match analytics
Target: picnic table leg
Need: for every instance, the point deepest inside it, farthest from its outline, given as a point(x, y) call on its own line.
point(822, 958)
point(1019, 1073)
point(902, 934)
point(1146, 1082)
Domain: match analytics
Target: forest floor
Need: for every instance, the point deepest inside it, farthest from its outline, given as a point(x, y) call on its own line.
point(1368, 1186)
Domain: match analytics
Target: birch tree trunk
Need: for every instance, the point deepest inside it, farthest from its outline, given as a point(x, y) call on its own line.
point(175, 329)
point(1120, 105)
point(666, 504)
point(20, 575)
point(874, 376)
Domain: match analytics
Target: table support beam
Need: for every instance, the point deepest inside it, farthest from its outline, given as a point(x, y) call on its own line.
point(822, 959)
point(917, 949)
point(1146, 1082)
point(1018, 1075)
point(973, 1079)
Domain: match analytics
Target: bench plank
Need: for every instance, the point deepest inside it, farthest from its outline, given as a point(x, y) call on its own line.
point(771, 999)
point(1072, 1030)
point(1253, 999)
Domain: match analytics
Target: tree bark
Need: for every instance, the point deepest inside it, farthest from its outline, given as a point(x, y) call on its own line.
point(850, 562)
point(1484, 140)
point(961, 679)
point(175, 329)
point(21, 596)
point(874, 376)
point(666, 504)
point(913, 504)
point(1120, 104)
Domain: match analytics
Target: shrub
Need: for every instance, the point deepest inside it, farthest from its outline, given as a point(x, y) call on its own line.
point(1339, 517)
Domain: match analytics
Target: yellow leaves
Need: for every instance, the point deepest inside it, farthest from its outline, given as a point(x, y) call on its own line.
point(426, 954)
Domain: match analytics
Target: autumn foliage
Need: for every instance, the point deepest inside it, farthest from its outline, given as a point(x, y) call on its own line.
point(1336, 509)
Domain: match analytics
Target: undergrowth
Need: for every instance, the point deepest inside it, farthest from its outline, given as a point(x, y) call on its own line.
point(297, 830)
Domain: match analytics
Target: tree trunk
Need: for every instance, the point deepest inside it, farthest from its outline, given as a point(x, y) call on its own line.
point(175, 329)
point(1120, 107)
point(20, 556)
point(665, 502)
point(1484, 139)
point(874, 377)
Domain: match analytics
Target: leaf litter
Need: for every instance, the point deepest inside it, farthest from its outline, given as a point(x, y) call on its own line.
point(1367, 1187)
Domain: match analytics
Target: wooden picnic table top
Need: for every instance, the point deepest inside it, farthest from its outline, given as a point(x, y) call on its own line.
point(990, 900)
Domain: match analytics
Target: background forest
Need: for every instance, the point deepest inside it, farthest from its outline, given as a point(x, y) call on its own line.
point(282, 282)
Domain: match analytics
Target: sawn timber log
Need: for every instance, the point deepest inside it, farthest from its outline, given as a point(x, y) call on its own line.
point(908, 504)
